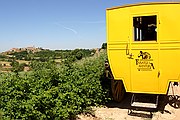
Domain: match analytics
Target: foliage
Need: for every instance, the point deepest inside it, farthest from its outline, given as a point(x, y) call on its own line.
point(104, 46)
point(46, 55)
point(51, 92)
point(17, 67)
point(2, 56)
point(79, 55)
point(20, 55)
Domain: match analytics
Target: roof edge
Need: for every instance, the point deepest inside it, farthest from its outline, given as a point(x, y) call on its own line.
point(143, 3)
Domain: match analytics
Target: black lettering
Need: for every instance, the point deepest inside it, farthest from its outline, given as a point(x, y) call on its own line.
point(137, 61)
point(152, 65)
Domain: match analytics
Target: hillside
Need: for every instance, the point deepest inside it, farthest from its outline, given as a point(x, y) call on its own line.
point(28, 49)
point(19, 59)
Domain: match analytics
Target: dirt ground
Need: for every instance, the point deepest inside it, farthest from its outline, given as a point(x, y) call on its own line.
point(168, 109)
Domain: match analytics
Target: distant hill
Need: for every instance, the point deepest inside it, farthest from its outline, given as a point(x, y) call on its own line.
point(28, 49)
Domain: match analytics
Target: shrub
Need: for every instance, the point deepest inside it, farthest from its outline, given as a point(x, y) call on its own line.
point(51, 92)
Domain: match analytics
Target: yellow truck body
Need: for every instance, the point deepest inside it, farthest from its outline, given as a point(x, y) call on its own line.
point(143, 45)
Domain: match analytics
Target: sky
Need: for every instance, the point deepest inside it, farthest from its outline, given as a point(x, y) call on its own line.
point(55, 24)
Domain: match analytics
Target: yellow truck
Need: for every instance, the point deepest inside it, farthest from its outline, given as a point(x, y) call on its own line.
point(143, 46)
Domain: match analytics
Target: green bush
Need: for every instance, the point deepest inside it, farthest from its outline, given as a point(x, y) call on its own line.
point(51, 92)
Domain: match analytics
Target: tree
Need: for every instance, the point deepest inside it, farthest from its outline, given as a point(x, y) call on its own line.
point(79, 55)
point(104, 46)
point(17, 67)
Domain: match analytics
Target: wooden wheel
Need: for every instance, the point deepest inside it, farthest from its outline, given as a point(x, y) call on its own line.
point(174, 101)
point(117, 90)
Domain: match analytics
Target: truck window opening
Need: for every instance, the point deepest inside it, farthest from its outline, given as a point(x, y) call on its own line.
point(145, 28)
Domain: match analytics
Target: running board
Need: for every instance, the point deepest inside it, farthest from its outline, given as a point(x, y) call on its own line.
point(144, 103)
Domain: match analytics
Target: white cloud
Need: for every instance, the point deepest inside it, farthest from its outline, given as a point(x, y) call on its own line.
point(73, 30)
point(67, 28)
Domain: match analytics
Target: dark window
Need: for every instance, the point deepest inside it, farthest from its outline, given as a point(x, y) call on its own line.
point(145, 28)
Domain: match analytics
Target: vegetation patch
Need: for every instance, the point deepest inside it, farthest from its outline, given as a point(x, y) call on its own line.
point(52, 92)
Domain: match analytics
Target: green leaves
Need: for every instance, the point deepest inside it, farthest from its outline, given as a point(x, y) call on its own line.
point(51, 92)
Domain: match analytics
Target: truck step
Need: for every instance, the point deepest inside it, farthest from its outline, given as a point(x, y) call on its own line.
point(145, 105)
point(144, 101)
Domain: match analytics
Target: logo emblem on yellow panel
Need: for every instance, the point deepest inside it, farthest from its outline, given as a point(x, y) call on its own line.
point(144, 62)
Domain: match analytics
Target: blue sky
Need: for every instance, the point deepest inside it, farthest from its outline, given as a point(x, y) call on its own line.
point(55, 24)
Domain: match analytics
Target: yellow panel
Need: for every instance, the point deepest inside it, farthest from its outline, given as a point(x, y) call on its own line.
point(114, 33)
point(169, 65)
point(144, 70)
point(118, 53)
point(123, 51)
point(169, 23)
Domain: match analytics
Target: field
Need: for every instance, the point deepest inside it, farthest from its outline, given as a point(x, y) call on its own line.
point(52, 91)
